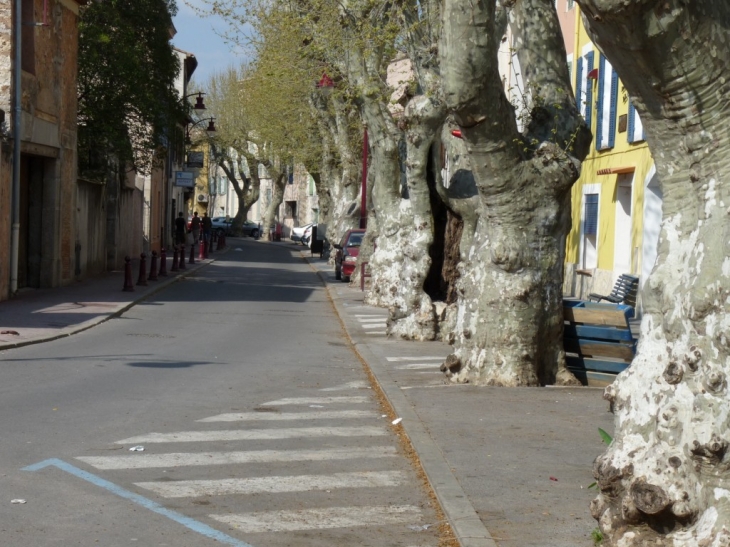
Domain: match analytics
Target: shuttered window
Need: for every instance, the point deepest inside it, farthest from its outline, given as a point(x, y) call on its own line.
point(636, 128)
point(606, 104)
point(590, 222)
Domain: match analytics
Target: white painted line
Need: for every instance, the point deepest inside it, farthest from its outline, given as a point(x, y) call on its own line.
point(354, 399)
point(274, 485)
point(362, 317)
point(317, 519)
point(181, 459)
point(431, 372)
point(358, 384)
point(416, 366)
point(255, 434)
point(374, 326)
point(374, 320)
point(397, 359)
point(276, 416)
point(378, 332)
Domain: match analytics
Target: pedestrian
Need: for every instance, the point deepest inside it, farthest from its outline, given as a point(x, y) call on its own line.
point(195, 227)
point(180, 229)
point(207, 227)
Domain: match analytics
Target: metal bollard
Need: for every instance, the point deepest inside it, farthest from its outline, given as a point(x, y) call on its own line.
point(206, 247)
point(174, 267)
point(201, 252)
point(142, 279)
point(192, 254)
point(128, 285)
point(163, 263)
point(153, 267)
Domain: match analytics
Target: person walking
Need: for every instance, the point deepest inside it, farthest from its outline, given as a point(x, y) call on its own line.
point(207, 228)
point(195, 227)
point(180, 229)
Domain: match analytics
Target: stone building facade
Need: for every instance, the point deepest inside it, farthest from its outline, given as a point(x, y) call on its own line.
point(47, 252)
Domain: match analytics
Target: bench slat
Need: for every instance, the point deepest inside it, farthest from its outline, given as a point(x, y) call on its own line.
point(599, 365)
point(592, 348)
point(596, 316)
point(600, 333)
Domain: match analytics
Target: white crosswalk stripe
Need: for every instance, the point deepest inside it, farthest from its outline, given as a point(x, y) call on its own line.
point(258, 485)
point(353, 399)
point(283, 416)
point(255, 434)
point(374, 325)
point(416, 366)
point(182, 459)
point(314, 519)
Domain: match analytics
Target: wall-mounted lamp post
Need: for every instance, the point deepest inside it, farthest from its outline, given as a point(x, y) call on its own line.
point(210, 130)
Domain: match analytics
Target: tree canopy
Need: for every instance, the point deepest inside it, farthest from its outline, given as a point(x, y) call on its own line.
point(128, 105)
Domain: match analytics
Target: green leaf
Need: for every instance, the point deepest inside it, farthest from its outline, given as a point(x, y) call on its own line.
point(605, 436)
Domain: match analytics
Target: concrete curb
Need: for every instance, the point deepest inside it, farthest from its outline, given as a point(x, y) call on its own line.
point(465, 523)
point(86, 325)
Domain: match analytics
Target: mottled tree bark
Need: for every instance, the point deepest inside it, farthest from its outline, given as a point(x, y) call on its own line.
point(509, 325)
point(663, 479)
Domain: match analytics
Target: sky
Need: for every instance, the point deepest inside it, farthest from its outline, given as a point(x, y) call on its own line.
point(197, 35)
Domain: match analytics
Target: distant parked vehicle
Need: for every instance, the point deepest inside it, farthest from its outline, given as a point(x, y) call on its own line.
point(221, 225)
point(347, 252)
point(302, 234)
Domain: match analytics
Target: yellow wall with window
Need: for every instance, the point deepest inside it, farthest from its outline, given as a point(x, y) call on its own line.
point(605, 172)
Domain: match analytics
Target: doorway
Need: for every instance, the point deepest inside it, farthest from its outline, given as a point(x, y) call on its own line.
point(622, 248)
point(33, 245)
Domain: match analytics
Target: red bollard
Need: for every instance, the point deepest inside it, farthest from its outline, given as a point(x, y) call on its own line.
point(163, 263)
point(153, 267)
point(174, 267)
point(142, 279)
point(128, 285)
point(192, 254)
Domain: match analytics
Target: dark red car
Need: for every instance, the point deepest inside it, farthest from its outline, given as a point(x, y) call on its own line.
point(347, 251)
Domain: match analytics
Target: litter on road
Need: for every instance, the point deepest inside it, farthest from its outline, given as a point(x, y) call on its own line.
point(138, 448)
point(18, 501)
point(397, 421)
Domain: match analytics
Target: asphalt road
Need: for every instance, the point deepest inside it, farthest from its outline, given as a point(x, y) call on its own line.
point(258, 424)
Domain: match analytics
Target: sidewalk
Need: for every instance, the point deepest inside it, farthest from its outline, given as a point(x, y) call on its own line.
point(510, 466)
point(40, 315)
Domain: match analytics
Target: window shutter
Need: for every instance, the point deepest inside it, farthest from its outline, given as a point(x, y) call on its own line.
point(614, 106)
point(599, 102)
point(579, 84)
point(590, 222)
point(589, 89)
point(630, 131)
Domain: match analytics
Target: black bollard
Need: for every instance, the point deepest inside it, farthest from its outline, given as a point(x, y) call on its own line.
point(163, 263)
point(142, 279)
point(182, 256)
point(128, 285)
point(201, 253)
point(153, 267)
point(192, 254)
point(174, 267)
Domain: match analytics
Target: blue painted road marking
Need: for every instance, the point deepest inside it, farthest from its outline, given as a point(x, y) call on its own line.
point(194, 525)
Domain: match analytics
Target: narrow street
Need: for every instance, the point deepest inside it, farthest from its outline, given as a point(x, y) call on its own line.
point(258, 424)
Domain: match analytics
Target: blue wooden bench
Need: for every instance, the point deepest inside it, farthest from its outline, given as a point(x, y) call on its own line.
point(597, 340)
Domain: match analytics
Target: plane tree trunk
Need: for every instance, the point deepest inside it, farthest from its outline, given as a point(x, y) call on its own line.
point(509, 326)
point(278, 184)
point(663, 479)
point(247, 188)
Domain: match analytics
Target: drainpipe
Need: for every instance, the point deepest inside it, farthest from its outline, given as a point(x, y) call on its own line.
point(17, 115)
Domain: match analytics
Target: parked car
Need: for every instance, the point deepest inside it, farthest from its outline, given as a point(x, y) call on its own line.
point(302, 234)
point(347, 251)
point(221, 225)
point(250, 229)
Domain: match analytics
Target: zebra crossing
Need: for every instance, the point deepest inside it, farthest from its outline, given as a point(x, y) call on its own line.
point(373, 324)
point(287, 471)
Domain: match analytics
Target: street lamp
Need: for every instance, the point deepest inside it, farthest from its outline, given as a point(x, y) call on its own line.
point(210, 130)
point(326, 85)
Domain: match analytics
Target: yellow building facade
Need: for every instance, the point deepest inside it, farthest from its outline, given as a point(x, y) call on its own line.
point(616, 203)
